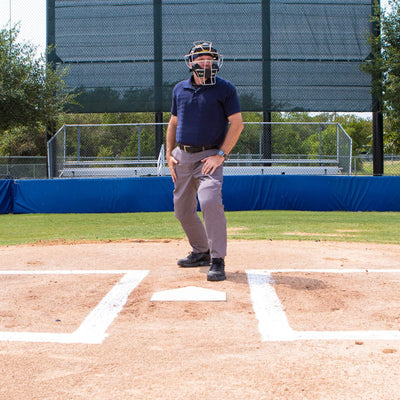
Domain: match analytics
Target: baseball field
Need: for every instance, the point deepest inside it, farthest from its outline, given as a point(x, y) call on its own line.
point(93, 306)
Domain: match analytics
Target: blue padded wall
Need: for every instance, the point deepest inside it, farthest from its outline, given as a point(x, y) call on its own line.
point(312, 193)
point(93, 195)
point(5, 196)
point(283, 192)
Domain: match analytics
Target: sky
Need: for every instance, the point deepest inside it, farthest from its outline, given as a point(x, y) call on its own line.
point(31, 15)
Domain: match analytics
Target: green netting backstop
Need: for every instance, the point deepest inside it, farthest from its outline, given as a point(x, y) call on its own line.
point(282, 55)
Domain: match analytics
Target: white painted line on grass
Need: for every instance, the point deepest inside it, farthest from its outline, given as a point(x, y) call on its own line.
point(272, 320)
point(93, 328)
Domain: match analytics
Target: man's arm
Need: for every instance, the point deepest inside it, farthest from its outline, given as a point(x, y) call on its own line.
point(234, 131)
point(171, 143)
point(232, 136)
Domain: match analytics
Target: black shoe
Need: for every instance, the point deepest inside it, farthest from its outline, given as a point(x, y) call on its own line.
point(195, 260)
point(217, 270)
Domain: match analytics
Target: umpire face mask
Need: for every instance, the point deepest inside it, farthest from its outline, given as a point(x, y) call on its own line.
point(206, 69)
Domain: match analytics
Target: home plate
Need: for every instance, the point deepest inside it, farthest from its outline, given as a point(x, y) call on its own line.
point(189, 293)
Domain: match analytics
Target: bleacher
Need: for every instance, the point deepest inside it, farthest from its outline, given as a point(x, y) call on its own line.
point(126, 168)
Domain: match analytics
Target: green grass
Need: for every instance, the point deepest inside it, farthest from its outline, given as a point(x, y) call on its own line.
point(378, 227)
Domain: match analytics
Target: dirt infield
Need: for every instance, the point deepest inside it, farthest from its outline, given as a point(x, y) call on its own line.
point(201, 349)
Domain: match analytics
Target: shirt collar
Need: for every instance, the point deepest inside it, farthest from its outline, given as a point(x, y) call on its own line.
point(188, 84)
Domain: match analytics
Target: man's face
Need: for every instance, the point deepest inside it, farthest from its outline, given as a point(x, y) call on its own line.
point(204, 62)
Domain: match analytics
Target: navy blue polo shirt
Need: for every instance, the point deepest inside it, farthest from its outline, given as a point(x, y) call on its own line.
point(203, 112)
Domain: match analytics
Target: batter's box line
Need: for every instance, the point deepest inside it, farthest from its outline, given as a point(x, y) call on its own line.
point(272, 320)
point(93, 328)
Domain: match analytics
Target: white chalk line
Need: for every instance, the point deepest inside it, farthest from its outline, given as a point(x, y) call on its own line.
point(326, 271)
point(93, 328)
point(67, 272)
point(273, 324)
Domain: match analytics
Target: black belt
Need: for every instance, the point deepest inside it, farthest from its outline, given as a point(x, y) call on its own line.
point(196, 149)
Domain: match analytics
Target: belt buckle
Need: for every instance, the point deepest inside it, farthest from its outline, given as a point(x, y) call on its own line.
point(185, 148)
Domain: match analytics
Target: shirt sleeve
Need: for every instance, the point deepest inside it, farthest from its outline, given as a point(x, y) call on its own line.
point(174, 108)
point(232, 104)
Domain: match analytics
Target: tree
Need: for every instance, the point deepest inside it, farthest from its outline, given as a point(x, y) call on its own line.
point(384, 66)
point(31, 94)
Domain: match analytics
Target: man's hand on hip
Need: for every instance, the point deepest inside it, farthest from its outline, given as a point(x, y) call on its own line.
point(171, 165)
point(211, 163)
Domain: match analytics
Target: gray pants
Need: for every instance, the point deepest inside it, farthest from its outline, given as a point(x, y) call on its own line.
point(208, 188)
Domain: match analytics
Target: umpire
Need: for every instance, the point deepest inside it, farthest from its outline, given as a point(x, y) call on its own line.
point(205, 125)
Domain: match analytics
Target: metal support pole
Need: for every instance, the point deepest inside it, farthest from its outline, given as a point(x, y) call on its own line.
point(78, 149)
point(50, 41)
point(266, 78)
point(320, 141)
point(377, 116)
point(51, 30)
point(266, 54)
point(377, 144)
point(159, 132)
point(52, 159)
point(139, 143)
point(267, 137)
point(158, 75)
point(337, 145)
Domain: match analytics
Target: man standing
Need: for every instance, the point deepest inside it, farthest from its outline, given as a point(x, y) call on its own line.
point(205, 125)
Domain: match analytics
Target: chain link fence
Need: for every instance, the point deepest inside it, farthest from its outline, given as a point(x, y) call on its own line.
point(118, 150)
point(363, 164)
point(19, 167)
point(102, 156)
